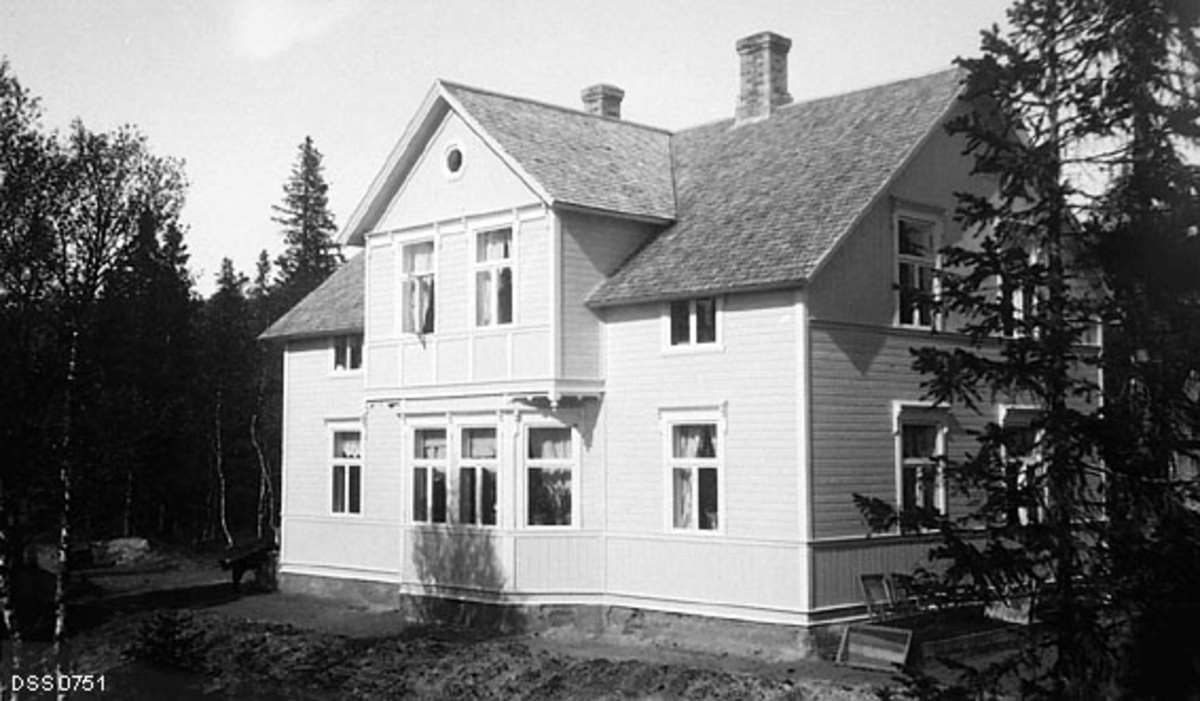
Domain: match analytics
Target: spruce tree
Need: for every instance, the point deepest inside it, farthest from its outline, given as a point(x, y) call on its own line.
point(1078, 116)
point(308, 228)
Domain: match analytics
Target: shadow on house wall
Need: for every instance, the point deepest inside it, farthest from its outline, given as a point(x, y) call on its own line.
point(464, 580)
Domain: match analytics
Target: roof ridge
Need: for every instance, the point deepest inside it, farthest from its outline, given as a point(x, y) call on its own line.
point(835, 96)
point(550, 105)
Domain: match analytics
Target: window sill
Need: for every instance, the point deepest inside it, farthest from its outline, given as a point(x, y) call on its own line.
point(346, 373)
point(695, 349)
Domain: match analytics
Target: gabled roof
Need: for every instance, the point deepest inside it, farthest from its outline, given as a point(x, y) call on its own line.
point(762, 204)
point(579, 159)
point(569, 158)
point(335, 307)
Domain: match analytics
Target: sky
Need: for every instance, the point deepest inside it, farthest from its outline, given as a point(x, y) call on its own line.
point(232, 87)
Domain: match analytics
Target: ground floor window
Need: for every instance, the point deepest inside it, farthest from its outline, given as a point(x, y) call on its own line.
point(429, 475)
point(477, 477)
point(920, 448)
point(695, 467)
point(550, 473)
point(347, 472)
point(1024, 471)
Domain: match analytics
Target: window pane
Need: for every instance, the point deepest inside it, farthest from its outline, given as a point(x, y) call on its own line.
point(708, 498)
point(339, 353)
point(550, 444)
point(504, 304)
point(466, 495)
point(549, 497)
point(918, 441)
point(425, 307)
point(418, 257)
point(907, 294)
point(439, 496)
point(694, 441)
point(487, 496)
point(916, 238)
point(680, 325)
point(706, 320)
point(346, 445)
point(682, 497)
point(483, 298)
point(339, 489)
point(429, 444)
point(355, 489)
point(420, 494)
point(908, 488)
point(493, 245)
point(355, 343)
point(479, 443)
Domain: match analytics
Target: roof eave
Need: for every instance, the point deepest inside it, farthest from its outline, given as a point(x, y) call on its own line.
point(641, 217)
point(716, 291)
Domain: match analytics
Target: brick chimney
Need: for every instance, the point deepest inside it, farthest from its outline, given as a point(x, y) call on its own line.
point(764, 75)
point(603, 99)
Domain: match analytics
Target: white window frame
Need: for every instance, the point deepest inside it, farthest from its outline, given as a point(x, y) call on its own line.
point(477, 466)
point(492, 268)
point(429, 465)
point(690, 345)
point(1014, 416)
point(905, 413)
point(669, 419)
point(571, 464)
point(341, 354)
point(933, 262)
point(408, 325)
point(348, 465)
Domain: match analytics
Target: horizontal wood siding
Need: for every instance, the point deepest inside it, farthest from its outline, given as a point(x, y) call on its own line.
point(381, 299)
point(360, 544)
point(558, 563)
point(753, 377)
point(484, 184)
point(532, 302)
point(857, 373)
point(856, 283)
point(592, 249)
point(313, 397)
point(708, 571)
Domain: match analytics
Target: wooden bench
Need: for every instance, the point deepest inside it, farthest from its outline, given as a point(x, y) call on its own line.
point(250, 556)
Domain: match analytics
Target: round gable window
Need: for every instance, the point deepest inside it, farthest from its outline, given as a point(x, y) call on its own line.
point(454, 161)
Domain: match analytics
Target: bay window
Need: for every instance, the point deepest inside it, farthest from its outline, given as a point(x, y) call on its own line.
point(429, 475)
point(477, 477)
point(550, 471)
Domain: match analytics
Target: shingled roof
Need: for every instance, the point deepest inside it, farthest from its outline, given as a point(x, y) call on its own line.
point(753, 206)
point(759, 205)
point(580, 159)
point(335, 307)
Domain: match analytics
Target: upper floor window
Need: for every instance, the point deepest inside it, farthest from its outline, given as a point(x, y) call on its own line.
point(494, 277)
point(347, 472)
point(550, 472)
point(417, 286)
point(347, 353)
point(916, 264)
point(694, 321)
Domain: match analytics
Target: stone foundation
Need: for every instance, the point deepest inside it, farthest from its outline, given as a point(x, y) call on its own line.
point(617, 624)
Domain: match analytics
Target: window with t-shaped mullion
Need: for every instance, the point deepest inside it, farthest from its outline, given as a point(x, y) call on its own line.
point(493, 278)
point(418, 286)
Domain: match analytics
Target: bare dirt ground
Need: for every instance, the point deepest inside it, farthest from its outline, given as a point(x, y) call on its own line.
point(172, 627)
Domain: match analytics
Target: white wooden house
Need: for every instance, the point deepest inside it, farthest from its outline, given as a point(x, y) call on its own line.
point(585, 361)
